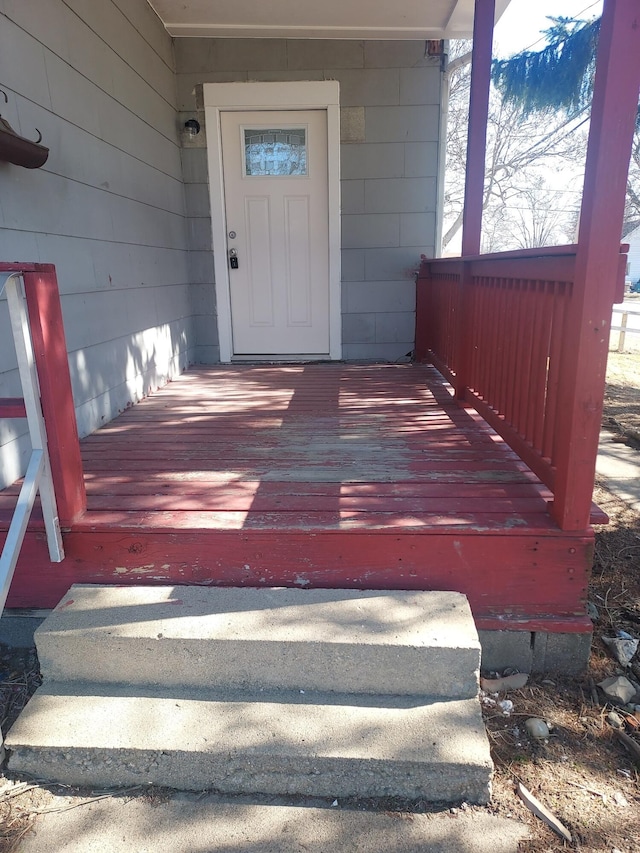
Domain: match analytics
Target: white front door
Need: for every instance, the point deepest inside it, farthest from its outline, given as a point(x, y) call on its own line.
point(277, 216)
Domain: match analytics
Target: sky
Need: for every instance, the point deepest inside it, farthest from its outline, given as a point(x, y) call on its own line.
point(520, 26)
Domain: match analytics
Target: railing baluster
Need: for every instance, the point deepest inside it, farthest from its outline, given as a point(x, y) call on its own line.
point(504, 352)
point(477, 331)
point(549, 449)
point(492, 379)
point(483, 332)
point(541, 358)
point(516, 308)
point(525, 359)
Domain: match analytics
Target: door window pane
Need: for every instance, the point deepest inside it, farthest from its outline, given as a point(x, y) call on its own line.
point(275, 152)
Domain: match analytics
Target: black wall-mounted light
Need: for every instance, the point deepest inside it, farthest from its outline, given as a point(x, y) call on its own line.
point(192, 127)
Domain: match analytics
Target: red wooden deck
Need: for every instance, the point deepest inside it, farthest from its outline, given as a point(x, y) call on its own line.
point(315, 475)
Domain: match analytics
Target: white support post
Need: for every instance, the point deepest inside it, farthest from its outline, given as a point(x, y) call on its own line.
point(38, 476)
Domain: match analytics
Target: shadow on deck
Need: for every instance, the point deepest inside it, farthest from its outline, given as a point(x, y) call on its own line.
point(331, 475)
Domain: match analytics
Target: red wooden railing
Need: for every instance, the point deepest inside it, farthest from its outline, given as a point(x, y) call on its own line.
point(496, 326)
point(50, 353)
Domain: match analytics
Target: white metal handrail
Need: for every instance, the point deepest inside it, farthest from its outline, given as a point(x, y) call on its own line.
point(38, 476)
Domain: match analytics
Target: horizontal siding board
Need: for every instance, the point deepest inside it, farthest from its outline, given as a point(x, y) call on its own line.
point(139, 223)
point(105, 316)
point(23, 64)
point(13, 432)
point(20, 246)
point(15, 457)
point(384, 160)
point(124, 129)
point(81, 156)
point(150, 59)
point(45, 202)
point(420, 85)
point(402, 123)
point(85, 265)
point(145, 21)
point(50, 203)
point(399, 195)
point(397, 54)
point(79, 101)
point(368, 87)
point(94, 38)
point(122, 370)
point(143, 100)
point(45, 21)
point(380, 296)
point(197, 200)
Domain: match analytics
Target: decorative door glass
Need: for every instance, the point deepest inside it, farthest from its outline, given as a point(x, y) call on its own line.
point(275, 152)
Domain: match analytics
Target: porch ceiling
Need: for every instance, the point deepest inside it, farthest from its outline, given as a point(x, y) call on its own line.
point(353, 19)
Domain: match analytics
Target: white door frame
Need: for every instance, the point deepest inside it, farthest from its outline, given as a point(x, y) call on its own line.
point(299, 95)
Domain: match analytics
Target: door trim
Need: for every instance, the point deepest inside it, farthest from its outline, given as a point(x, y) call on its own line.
point(299, 95)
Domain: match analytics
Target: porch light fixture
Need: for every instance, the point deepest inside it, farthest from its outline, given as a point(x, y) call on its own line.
point(192, 128)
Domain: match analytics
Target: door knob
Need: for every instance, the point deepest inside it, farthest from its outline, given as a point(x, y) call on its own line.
point(233, 259)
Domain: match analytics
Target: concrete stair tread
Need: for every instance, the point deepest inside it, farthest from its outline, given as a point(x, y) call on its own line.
point(326, 693)
point(185, 825)
point(341, 640)
point(320, 745)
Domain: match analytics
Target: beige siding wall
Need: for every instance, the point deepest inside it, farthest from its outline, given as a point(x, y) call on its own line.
point(390, 119)
point(98, 80)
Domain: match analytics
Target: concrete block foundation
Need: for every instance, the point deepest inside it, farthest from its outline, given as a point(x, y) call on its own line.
point(535, 651)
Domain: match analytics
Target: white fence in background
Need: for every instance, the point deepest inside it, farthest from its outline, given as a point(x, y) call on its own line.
point(629, 323)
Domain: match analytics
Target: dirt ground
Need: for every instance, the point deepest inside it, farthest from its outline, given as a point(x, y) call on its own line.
point(582, 772)
point(622, 400)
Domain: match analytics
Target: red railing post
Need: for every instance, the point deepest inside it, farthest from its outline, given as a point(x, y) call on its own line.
point(50, 351)
point(586, 342)
point(484, 16)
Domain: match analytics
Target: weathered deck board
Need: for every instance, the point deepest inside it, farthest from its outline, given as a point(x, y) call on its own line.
point(403, 433)
point(323, 475)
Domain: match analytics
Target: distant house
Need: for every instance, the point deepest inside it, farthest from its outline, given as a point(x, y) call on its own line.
point(633, 239)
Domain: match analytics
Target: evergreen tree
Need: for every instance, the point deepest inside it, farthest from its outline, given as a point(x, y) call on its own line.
point(557, 78)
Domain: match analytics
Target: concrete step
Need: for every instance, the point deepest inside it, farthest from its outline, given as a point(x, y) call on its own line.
point(190, 823)
point(347, 641)
point(283, 744)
